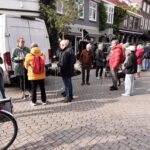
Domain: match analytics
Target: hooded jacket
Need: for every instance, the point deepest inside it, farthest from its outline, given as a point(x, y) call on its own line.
point(116, 56)
point(29, 63)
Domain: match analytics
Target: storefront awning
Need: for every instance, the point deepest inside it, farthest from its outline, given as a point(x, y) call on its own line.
point(131, 32)
point(76, 29)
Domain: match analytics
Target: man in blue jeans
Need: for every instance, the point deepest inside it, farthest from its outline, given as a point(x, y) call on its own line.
point(66, 64)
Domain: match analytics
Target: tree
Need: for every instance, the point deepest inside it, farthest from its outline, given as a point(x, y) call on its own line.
point(102, 16)
point(58, 24)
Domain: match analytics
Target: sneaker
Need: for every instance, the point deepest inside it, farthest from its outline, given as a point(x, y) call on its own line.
point(124, 94)
point(44, 103)
point(98, 78)
point(33, 104)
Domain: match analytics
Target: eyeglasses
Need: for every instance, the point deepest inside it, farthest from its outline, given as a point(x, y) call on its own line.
point(22, 41)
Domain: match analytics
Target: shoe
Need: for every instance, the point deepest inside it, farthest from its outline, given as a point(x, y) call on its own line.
point(98, 78)
point(113, 88)
point(44, 103)
point(124, 94)
point(87, 83)
point(82, 83)
point(33, 104)
point(63, 94)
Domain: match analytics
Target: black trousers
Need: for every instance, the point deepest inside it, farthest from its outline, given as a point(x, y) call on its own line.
point(24, 82)
point(34, 84)
point(97, 71)
point(85, 68)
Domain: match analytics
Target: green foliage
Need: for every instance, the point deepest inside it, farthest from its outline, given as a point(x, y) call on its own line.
point(102, 16)
point(58, 23)
point(119, 15)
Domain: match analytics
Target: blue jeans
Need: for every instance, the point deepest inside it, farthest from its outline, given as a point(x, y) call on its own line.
point(68, 88)
point(146, 64)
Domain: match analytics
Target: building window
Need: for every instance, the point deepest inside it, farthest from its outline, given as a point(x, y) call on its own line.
point(110, 14)
point(59, 6)
point(136, 23)
point(80, 6)
point(131, 20)
point(142, 23)
point(144, 6)
point(125, 23)
point(148, 7)
point(146, 24)
point(92, 11)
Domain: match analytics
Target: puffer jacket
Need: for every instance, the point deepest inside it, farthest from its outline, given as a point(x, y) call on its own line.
point(29, 63)
point(139, 54)
point(116, 56)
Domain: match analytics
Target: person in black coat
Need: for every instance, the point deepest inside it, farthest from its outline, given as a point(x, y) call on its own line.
point(130, 70)
point(66, 64)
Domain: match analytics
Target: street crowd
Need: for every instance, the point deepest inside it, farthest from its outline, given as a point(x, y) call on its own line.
point(121, 60)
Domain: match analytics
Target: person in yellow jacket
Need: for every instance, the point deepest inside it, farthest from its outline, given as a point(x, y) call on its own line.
point(35, 79)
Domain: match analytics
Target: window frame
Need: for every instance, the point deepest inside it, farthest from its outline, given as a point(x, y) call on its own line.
point(78, 6)
point(144, 6)
point(110, 13)
point(62, 7)
point(93, 10)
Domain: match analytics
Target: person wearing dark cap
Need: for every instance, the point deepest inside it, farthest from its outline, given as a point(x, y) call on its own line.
point(130, 70)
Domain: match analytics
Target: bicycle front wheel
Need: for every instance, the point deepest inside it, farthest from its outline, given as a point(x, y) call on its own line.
point(8, 129)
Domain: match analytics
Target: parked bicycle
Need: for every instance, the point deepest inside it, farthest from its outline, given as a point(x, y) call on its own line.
point(8, 124)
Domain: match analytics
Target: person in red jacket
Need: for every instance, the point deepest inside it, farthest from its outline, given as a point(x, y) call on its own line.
point(115, 60)
point(139, 54)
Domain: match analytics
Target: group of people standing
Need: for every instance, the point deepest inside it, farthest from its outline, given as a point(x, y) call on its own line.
point(127, 57)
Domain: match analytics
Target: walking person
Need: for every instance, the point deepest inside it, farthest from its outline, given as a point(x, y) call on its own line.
point(139, 54)
point(35, 76)
point(18, 57)
point(99, 61)
point(146, 57)
point(66, 64)
point(130, 69)
point(86, 59)
point(2, 89)
point(115, 60)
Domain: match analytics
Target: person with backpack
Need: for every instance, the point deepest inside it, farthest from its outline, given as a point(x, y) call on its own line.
point(35, 65)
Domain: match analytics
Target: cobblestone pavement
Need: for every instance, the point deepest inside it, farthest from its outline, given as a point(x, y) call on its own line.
point(97, 119)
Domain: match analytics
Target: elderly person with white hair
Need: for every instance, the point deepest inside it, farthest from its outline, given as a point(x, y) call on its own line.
point(115, 60)
point(86, 59)
point(66, 64)
point(99, 60)
point(130, 70)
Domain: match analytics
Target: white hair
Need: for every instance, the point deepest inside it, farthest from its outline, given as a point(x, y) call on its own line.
point(64, 42)
point(88, 46)
point(100, 46)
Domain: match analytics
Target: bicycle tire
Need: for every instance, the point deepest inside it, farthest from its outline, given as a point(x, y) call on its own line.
point(9, 117)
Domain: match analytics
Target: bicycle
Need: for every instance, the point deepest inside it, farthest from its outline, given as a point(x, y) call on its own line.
point(8, 126)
